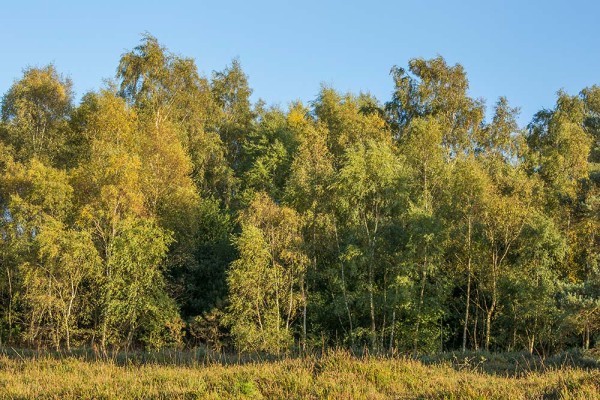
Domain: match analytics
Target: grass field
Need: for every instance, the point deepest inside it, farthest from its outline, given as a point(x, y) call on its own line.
point(336, 375)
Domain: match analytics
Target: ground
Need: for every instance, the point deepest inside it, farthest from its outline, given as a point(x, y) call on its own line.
point(336, 375)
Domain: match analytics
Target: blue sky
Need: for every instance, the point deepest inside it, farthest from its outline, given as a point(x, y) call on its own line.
point(524, 50)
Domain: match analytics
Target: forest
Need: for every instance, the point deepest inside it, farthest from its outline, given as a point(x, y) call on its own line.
point(169, 210)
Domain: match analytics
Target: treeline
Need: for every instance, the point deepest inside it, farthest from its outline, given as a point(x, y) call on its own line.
point(167, 210)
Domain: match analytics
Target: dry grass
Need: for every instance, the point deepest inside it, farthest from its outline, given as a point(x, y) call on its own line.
point(334, 376)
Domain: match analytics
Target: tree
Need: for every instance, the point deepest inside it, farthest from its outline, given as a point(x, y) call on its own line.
point(267, 154)
point(307, 191)
point(53, 284)
point(177, 108)
point(423, 147)
point(35, 112)
point(131, 302)
point(368, 189)
point(532, 287)
point(560, 148)
point(265, 281)
point(158, 82)
point(469, 186)
point(349, 120)
point(432, 88)
point(581, 302)
point(34, 196)
point(591, 101)
point(201, 278)
point(497, 139)
point(561, 145)
point(232, 93)
point(134, 287)
point(506, 212)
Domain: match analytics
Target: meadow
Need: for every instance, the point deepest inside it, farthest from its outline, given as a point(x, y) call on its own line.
point(335, 375)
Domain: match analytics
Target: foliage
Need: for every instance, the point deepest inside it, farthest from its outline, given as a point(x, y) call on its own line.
point(168, 209)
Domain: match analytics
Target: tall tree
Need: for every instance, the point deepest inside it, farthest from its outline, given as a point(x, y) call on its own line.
point(506, 212)
point(35, 112)
point(265, 283)
point(469, 185)
point(433, 88)
point(232, 93)
point(53, 284)
point(307, 190)
point(369, 191)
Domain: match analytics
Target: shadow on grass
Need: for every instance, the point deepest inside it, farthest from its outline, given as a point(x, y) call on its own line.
point(515, 364)
point(509, 364)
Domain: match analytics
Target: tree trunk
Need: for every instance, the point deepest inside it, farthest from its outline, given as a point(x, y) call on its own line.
point(347, 306)
point(103, 339)
point(587, 336)
point(419, 309)
point(531, 342)
point(372, 307)
point(371, 241)
point(384, 309)
point(344, 289)
point(10, 301)
point(492, 308)
point(488, 321)
point(392, 332)
point(67, 328)
point(290, 305)
point(304, 295)
point(476, 320)
point(468, 303)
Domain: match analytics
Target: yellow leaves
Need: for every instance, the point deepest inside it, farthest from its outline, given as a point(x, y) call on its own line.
point(423, 140)
point(264, 283)
point(575, 144)
point(109, 186)
point(133, 165)
point(67, 250)
point(269, 217)
point(296, 117)
point(350, 119)
point(280, 227)
point(111, 121)
point(109, 179)
point(41, 189)
point(376, 121)
point(36, 109)
point(166, 172)
point(311, 170)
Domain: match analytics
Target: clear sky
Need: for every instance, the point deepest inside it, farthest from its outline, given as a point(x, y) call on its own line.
point(524, 50)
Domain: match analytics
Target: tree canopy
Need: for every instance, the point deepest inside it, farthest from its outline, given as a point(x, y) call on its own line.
point(169, 209)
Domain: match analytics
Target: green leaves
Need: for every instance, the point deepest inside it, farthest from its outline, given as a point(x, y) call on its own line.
point(133, 287)
point(561, 145)
point(53, 286)
point(265, 281)
point(168, 195)
point(439, 91)
point(35, 111)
